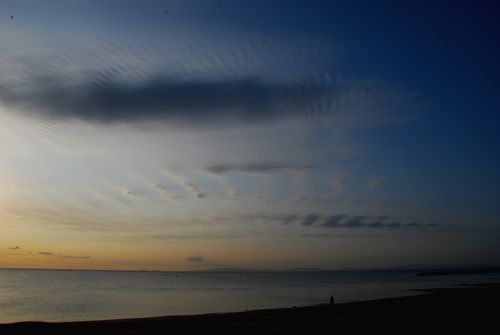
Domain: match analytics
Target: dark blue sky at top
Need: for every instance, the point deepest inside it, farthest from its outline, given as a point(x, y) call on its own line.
point(445, 51)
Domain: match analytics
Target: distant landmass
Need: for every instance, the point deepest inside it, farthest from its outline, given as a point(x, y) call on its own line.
point(265, 270)
point(450, 272)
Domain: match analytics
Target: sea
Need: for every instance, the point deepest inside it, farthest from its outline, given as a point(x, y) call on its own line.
point(65, 295)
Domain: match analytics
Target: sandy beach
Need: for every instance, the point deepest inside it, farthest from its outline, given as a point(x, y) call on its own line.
point(474, 308)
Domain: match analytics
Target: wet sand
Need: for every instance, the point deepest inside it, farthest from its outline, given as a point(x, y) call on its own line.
point(471, 309)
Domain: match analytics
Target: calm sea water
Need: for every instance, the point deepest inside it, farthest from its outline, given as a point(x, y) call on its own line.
point(57, 295)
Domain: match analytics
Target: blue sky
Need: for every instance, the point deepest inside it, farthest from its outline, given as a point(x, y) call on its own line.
point(242, 133)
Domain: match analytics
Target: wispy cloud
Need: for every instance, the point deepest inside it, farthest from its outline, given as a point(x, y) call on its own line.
point(195, 190)
point(196, 102)
point(258, 168)
point(46, 253)
point(165, 192)
point(196, 259)
point(338, 183)
point(130, 193)
point(363, 221)
point(375, 184)
point(309, 220)
point(230, 188)
point(311, 199)
point(76, 257)
point(334, 221)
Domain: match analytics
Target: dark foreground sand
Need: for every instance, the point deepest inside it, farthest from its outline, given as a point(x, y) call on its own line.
point(474, 310)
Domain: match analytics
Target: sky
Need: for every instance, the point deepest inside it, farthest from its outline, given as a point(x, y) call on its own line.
point(193, 135)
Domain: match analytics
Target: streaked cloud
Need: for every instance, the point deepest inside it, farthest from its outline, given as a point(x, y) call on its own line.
point(191, 102)
point(46, 253)
point(338, 183)
point(311, 199)
point(76, 257)
point(196, 259)
point(130, 193)
point(195, 190)
point(375, 184)
point(165, 192)
point(258, 168)
point(333, 221)
point(309, 220)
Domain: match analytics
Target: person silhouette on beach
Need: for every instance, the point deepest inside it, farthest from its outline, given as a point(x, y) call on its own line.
point(332, 301)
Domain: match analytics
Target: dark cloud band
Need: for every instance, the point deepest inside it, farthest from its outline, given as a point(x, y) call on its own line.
point(257, 167)
point(338, 221)
point(198, 102)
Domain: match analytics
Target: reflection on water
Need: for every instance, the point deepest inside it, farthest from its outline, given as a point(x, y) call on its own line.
point(56, 295)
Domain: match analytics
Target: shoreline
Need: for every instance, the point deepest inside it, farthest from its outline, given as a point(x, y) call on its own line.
point(455, 308)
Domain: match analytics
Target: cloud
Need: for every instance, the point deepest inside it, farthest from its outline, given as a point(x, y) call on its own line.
point(68, 217)
point(333, 221)
point(283, 219)
point(190, 101)
point(195, 190)
point(192, 188)
point(196, 259)
point(375, 184)
point(15, 248)
point(231, 190)
point(338, 221)
point(130, 193)
point(355, 222)
point(46, 253)
point(309, 219)
point(363, 221)
point(315, 200)
point(165, 192)
point(76, 257)
point(287, 219)
point(338, 183)
point(257, 168)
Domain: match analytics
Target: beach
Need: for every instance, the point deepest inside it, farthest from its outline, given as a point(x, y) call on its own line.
point(447, 309)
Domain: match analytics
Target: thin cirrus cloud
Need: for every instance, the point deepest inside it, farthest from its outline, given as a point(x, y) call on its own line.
point(309, 199)
point(257, 168)
point(196, 259)
point(76, 257)
point(375, 184)
point(309, 220)
point(165, 192)
point(198, 102)
point(338, 183)
point(195, 190)
point(336, 221)
point(232, 80)
point(46, 253)
point(130, 193)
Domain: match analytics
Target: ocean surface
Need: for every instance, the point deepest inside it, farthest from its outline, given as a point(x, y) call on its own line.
point(59, 295)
